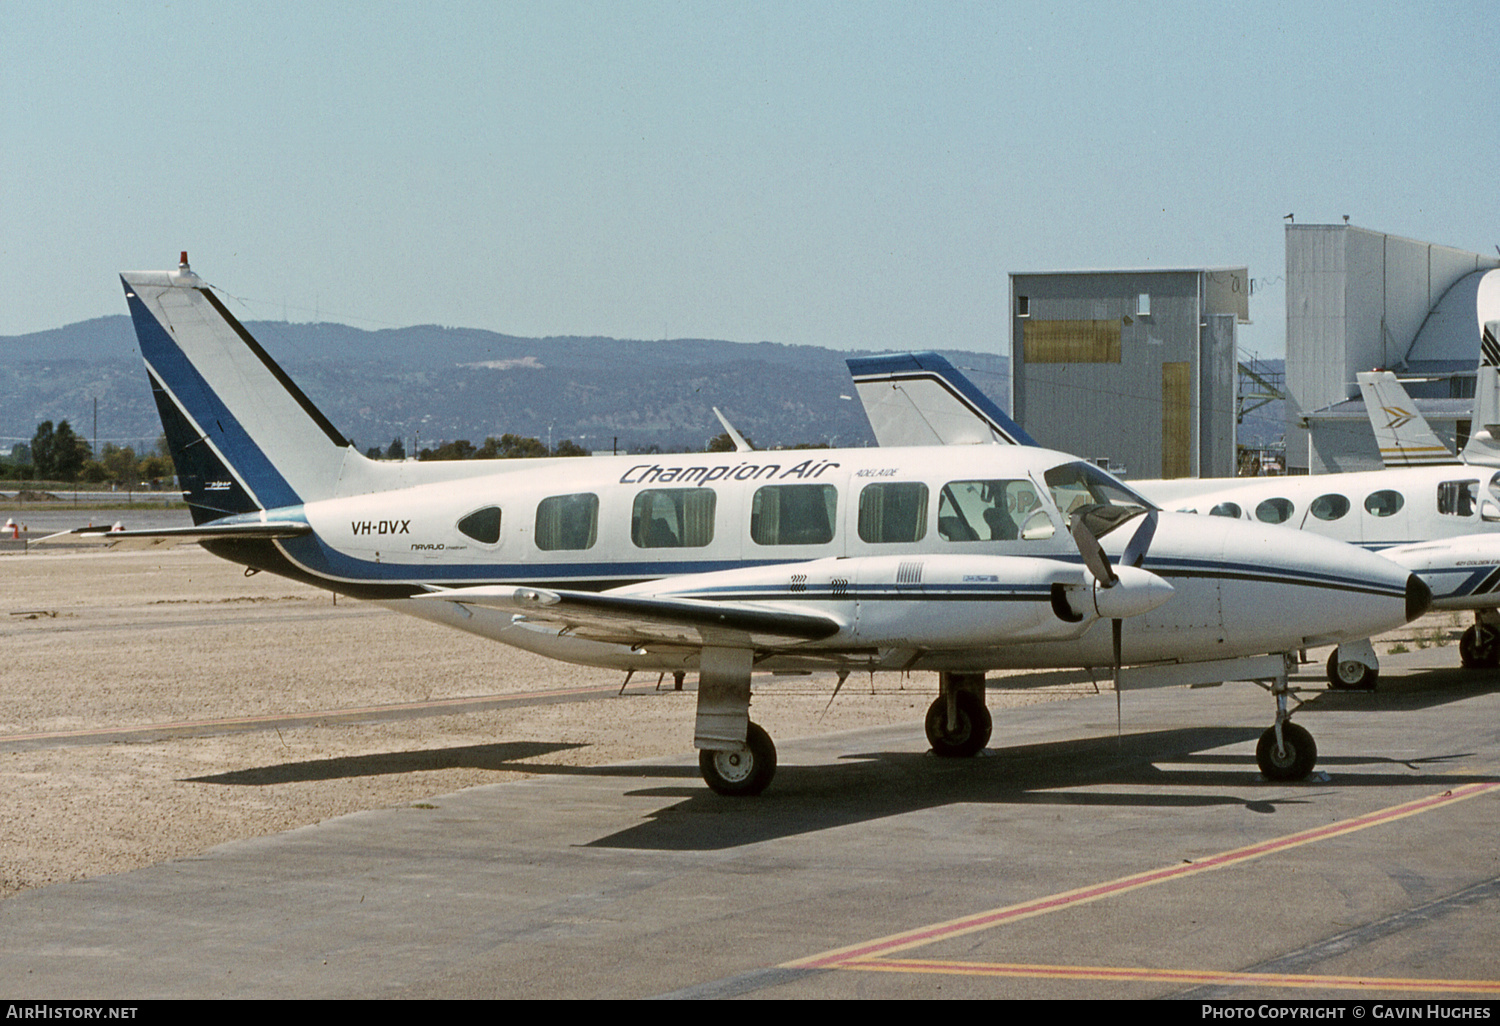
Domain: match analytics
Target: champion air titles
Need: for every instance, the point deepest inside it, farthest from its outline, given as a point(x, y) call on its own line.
point(655, 473)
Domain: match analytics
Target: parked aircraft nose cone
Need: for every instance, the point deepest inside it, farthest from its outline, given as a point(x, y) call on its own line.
point(1418, 597)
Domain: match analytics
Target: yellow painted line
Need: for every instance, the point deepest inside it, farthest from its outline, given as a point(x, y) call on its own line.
point(846, 957)
point(1189, 977)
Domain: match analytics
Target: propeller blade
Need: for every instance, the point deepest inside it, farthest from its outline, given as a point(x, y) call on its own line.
point(1092, 553)
point(1140, 543)
point(1117, 628)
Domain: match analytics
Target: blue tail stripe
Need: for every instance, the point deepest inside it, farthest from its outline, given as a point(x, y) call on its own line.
point(202, 404)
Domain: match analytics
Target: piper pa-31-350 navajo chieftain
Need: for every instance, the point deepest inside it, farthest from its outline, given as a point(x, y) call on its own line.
point(955, 560)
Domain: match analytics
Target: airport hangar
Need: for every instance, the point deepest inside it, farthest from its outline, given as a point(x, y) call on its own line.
point(1138, 369)
point(1360, 300)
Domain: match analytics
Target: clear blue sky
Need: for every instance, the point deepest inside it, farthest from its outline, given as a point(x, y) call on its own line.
point(841, 174)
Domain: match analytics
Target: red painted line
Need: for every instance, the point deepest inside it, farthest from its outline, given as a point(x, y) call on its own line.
point(844, 957)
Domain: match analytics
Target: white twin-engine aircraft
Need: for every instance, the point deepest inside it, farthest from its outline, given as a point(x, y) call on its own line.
point(954, 560)
point(1434, 513)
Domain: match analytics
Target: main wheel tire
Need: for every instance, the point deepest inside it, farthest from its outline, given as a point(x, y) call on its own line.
point(738, 774)
point(1351, 674)
point(1479, 648)
point(1294, 760)
point(969, 735)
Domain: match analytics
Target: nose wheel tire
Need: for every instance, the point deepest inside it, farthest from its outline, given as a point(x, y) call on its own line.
point(1350, 675)
point(971, 730)
point(742, 773)
point(1293, 759)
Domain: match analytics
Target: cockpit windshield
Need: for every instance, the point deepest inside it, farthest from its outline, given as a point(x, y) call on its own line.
point(1076, 485)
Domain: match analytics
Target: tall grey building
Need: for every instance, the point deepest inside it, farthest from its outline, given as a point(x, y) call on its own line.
point(1136, 368)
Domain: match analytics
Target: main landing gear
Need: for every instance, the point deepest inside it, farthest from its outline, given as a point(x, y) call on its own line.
point(736, 756)
point(1479, 648)
point(1353, 666)
point(958, 724)
point(741, 773)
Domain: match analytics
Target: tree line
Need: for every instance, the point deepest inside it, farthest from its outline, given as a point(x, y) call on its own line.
point(58, 453)
point(506, 447)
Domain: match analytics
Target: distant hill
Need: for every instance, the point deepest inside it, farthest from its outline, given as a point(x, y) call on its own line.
point(441, 384)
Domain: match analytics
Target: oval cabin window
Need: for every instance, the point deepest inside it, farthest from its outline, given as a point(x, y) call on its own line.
point(1274, 511)
point(1329, 507)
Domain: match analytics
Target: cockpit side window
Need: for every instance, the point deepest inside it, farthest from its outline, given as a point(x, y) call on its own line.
point(993, 510)
point(1458, 498)
point(1226, 509)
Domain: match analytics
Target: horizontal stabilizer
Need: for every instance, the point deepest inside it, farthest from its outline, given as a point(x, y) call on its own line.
point(637, 619)
point(168, 535)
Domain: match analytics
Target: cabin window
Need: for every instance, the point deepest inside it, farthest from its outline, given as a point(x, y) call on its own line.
point(1226, 509)
point(1329, 507)
point(1384, 503)
point(1001, 510)
point(483, 525)
point(1458, 498)
point(893, 512)
point(673, 518)
point(567, 522)
point(793, 514)
point(1274, 511)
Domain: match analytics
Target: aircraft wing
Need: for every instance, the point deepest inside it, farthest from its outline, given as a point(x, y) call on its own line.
point(639, 619)
point(922, 399)
point(146, 538)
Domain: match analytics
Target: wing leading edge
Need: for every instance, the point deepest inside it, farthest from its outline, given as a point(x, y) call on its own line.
point(637, 619)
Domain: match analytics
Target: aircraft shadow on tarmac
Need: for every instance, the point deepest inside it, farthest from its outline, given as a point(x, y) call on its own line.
point(1177, 768)
point(1408, 691)
point(500, 756)
point(877, 785)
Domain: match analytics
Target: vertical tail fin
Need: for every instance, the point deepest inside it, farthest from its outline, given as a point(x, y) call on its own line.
point(244, 437)
point(1484, 431)
point(922, 399)
point(1403, 435)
